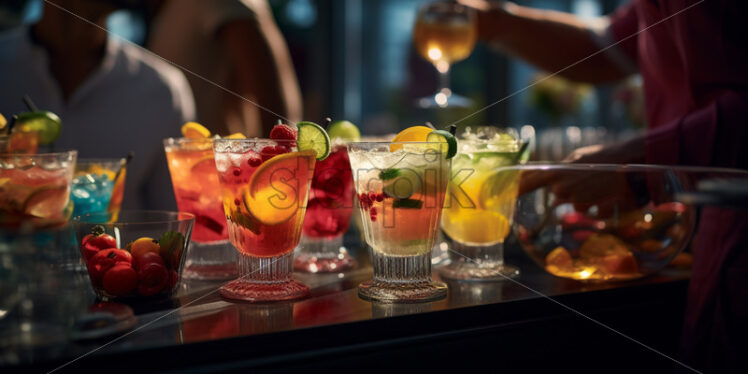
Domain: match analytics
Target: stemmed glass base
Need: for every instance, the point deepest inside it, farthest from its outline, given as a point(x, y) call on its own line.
point(323, 256)
point(442, 99)
point(402, 279)
point(210, 261)
point(478, 263)
point(265, 279)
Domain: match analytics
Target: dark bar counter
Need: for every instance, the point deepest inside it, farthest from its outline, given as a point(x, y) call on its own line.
point(500, 325)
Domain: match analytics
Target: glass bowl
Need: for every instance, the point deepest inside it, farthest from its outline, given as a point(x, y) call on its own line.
point(135, 254)
point(595, 222)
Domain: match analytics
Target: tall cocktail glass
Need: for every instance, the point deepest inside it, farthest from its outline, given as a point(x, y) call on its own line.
point(35, 189)
point(264, 198)
point(328, 216)
point(401, 188)
point(478, 213)
point(197, 191)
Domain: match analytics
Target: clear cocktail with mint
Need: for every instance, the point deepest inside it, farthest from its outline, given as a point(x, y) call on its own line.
point(401, 188)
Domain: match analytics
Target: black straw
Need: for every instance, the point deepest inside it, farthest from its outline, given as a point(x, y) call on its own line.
point(29, 104)
point(327, 121)
point(453, 129)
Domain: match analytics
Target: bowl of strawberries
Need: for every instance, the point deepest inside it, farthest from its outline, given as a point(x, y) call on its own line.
point(134, 254)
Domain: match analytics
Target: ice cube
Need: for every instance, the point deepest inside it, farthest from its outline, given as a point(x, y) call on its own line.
point(222, 163)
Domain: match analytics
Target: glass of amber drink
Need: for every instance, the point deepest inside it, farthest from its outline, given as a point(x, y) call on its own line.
point(444, 33)
point(264, 189)
point(401, 188)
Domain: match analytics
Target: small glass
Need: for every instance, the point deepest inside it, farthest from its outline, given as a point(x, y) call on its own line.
point(197, 190)
point(265, 187)
point(35, 189)
point(401, 188)
point(98, 185)
point(478, 216)
point(328, 216)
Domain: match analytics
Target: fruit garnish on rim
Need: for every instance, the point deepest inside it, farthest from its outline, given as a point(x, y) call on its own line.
point(344, 130)
point(194, 130)
point(428, 134)
point(312, 136)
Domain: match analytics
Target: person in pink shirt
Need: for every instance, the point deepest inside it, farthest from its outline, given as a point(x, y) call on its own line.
point(693, 59)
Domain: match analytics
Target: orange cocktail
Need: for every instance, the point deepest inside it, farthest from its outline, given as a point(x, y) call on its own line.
point(197, 191)
point(264, 187)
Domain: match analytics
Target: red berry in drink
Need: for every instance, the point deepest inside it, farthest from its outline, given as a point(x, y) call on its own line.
point(283, 131)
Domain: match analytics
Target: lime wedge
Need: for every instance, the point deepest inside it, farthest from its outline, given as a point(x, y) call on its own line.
point(313, 137)
point(344, 130)
point(46, 124)
point(442, 136)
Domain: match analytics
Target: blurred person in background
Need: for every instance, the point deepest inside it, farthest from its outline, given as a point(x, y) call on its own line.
point(694, 68)
point(237, 45)
point(112, 97)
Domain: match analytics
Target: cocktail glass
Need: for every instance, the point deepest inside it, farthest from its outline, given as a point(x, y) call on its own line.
point(264, 198)
point(478, 214)
point(401, 188)
point(98, 186)
point(444, 33)
point(35, 189)
point(328, 216)
point(197, 190)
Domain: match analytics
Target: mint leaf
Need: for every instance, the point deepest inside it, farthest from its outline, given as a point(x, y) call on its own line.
point(171, 245)
point(407, 203)
point(388, 174)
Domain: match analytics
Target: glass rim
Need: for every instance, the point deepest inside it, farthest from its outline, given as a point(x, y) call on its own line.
point(538, 165)
point(50, 154)
point(178, 216)
point(252, 140)
point(388, 143)
point(101, 159)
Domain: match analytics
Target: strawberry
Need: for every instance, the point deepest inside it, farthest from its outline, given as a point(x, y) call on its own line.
point(282, 131)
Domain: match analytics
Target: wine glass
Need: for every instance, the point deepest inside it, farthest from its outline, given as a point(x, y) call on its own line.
point(444, 33)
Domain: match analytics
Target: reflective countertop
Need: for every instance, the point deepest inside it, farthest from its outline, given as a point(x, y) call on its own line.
point(200, 320)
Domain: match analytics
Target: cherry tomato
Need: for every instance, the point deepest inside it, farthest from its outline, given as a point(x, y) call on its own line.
point(96, 241)
point(101, 241)
point(88, 251)
point(120, 280)
point(104, 260)
point(153, 278)
point(141, 259)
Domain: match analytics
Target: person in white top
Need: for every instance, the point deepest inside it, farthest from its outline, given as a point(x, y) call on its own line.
point(236, 45)
point(112, 97)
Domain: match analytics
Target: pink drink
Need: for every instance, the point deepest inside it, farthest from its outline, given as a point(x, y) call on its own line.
point(35, 189)
point(328, 216)
point(330, 207)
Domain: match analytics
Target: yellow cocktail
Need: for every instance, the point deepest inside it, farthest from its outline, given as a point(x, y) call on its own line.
point(477, 215)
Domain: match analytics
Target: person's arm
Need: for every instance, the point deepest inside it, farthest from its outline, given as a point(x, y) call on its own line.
point(551, 40)
point(261, 69)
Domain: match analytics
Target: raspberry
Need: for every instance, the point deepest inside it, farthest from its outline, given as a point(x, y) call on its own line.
point(254, 161)
point(267, 152)
point(280, 148)
point(282, 131)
